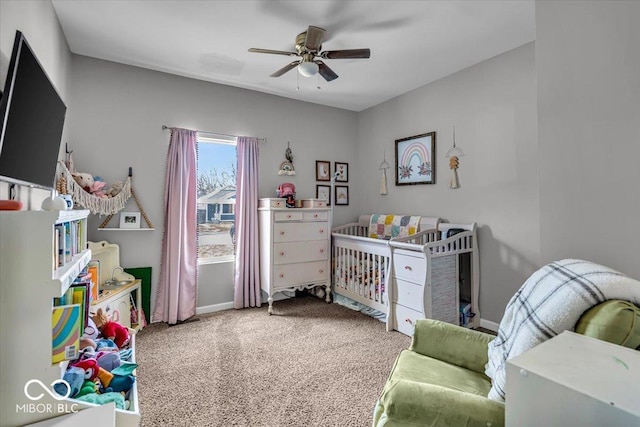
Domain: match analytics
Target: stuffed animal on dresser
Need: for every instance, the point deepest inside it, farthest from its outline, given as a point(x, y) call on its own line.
point(111, 330)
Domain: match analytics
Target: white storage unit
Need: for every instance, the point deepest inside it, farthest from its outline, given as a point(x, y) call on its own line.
point(574, 380)
point(426, 280)
point(30, 279)
point(116, 303)
point(294, 248)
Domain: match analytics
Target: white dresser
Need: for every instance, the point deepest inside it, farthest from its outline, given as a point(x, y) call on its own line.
point(295, 245)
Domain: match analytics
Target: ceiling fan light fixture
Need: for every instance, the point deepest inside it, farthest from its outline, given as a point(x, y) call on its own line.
point(308, 68)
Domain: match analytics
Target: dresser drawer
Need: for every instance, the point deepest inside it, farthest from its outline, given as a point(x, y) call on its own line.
point(405, 319)
point(409, 268)
point(293, 252)
point(408, 294)
point(272, 203)
point(315, 216)
point(300, 231)
point(291, 215)
point(286, 275)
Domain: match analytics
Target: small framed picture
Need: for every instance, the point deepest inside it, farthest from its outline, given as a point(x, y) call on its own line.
point(342, 195)
point(324, 192)
point(323, 170)
point(129, 219)
point(342, 172)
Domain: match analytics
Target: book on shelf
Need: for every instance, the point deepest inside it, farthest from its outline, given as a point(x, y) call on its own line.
point(65, 332)
point(81, 296)
point(94, 270)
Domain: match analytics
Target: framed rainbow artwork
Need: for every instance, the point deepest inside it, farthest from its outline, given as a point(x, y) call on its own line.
point(415, 159)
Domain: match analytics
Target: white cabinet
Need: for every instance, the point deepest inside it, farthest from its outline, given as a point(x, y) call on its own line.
point(30, 278)
point(430, 276)
point(116, 303)
point(294, 248)
point(574, 380)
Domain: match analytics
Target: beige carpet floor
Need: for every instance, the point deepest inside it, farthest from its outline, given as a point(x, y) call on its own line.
point(309, 364)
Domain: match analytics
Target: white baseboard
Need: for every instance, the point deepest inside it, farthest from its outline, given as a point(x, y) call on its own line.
point(488, 324)
point(215, 307)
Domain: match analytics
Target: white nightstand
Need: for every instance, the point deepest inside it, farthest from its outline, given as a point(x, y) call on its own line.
point(574, 380)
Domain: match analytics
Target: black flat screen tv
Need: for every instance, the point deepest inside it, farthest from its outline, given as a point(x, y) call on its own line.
point(32, 115)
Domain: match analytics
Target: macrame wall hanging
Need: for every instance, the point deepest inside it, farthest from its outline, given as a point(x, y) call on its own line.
point(453, 154)
point(66, 184)
point(383, 178)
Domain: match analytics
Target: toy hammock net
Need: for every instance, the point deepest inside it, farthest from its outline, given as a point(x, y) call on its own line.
point(67, 185)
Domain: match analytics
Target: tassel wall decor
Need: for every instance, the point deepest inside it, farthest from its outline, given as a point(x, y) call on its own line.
point(452, 155)
point(453, 165)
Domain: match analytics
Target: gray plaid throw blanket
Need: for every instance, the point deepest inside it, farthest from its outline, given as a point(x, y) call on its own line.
point(551, 301)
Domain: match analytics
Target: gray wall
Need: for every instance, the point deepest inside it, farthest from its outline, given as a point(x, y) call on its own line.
point(493, 107)
point(38, 22)
point(115, 121)
point(564, 113)
point(588, 59)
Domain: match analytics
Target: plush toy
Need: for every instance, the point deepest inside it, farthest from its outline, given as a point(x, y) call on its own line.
point(84, 180)
point(105, 344)
point(74, 376)
point(101, 399)
point(114, 189)
point(111, 330)
point(88, 387)
point(90, 368)
point(91, 330)
point(97, 189)
point(86, 343)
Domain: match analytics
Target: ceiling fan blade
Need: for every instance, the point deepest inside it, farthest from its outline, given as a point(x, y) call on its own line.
point(275, 52)
point(346, 54)
point(326, 72)
point(315, 35)
point(286, 68)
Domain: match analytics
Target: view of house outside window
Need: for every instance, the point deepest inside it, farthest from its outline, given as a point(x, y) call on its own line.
point(216, 183)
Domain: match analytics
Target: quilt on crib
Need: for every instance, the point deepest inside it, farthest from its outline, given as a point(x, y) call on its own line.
point(390, 226)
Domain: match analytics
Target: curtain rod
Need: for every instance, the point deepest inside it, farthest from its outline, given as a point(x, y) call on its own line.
point(165, 127)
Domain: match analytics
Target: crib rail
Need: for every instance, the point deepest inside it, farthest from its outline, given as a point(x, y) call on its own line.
point(431, 242)
point(360, 266)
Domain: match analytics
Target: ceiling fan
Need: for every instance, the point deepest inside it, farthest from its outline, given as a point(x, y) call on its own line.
point(308, 48)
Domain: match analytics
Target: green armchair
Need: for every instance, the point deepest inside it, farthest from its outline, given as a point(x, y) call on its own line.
point(440, 381)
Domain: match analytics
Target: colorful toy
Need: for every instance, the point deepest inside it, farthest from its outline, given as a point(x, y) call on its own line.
point(115, 188)
point(111, 330)
point(74, 376)
point(101, 399)
point(84, 180)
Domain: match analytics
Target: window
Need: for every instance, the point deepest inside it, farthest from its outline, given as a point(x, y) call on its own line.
point(216, 181)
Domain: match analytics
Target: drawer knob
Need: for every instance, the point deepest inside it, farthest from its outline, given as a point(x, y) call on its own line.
point(409, 321)
point(321, 270)
point(315, 216)
point(408, 267)
point(321, 230)
point(288, 216)
point(321, 251)
point(281, 275)
point(282, 233)
point(281, 253)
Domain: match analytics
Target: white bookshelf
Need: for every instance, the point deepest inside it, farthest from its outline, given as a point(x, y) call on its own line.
point(29, 280)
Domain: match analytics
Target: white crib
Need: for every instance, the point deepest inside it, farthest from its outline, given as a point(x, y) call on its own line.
point(361, 263)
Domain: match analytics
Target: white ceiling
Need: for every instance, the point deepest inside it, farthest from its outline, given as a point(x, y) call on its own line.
point(412, 42)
